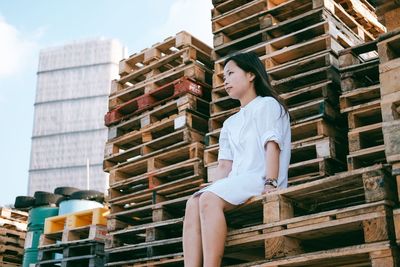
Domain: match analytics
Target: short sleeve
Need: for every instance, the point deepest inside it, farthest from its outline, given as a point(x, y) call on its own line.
point(269, 122)
point(225, 151)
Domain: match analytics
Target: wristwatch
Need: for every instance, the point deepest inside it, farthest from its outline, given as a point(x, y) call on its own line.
point(270, 181)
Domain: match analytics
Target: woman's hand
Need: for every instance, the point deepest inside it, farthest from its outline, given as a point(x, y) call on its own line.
point(269, 188)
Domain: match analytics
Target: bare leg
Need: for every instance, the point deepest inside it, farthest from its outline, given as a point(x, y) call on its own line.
point(213, 227)
point(192, 245)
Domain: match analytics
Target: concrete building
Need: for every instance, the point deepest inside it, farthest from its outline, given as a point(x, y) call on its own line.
point(73, 85)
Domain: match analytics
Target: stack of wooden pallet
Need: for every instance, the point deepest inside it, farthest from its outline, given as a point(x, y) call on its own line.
point(75, 239)
point(13, 226)
point(318, 61)
point(389, 73)
point(361, 101)
point(286, 35)
point(159, 110)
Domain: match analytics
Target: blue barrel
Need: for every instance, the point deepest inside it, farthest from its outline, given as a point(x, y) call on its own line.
point(75, 205)
point(36, 220)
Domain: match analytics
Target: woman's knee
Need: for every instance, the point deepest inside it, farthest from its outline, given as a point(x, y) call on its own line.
point(192, 206)
point(208, 200)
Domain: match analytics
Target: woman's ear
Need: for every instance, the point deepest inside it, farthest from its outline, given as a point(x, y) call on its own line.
point(251, 76)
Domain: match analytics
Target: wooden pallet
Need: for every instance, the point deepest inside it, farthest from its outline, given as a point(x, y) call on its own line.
point(85, 253)
point(320, 108)
point(178, 58)
point(170, 209)
point(74, 235)
point(184, 120)
point(374, 254)
point(13, 214)
point(147, 137)
point(365, 137)
point(345, 189)
point(316, 159)
point(328, 91)
point(364, 114)
point(362, 224)
point(348, 20)
point(360, 75)
point(12, 224)
point(11, 250)
point(164, 89)
point(138, 105)
point(315, 130)
point(307, 79)
point(237, 14)
point(168, 51)
point(363, 15)
point(167, 183)
point(350, 100)
point(57, 224)
point(125, 88)
point(156, 162)
point(366, 157)
point(221, 7)
point(12, 237)
point(171, 140)
point(389, 46)
point(185, 106)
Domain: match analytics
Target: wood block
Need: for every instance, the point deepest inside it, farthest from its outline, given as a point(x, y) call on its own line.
point(277, 208)
point(391, 132)
point(281, 247)
point(390, 77)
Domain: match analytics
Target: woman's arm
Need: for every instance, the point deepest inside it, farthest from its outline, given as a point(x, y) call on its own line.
point(272, 153)
point(223, 169)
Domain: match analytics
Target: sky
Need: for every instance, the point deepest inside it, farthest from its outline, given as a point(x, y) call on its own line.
point(27, 26)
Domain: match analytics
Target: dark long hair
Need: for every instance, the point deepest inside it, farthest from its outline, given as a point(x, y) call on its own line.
point(249, 62)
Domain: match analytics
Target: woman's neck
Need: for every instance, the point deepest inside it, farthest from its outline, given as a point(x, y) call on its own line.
point(247, 99)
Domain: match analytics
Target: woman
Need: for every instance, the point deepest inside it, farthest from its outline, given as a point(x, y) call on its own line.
point(253, 158)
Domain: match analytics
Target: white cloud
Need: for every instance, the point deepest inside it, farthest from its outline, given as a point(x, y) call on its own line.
point(16, 49)
point(193, 16)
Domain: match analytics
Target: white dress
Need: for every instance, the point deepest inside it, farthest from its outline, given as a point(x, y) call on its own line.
point(242, 140)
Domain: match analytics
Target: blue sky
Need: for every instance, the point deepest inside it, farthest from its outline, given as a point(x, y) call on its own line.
point(27, 26)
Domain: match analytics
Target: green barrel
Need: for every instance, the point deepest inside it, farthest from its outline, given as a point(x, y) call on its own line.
point(36, 220)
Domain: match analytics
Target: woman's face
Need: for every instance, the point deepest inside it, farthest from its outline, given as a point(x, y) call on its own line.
point(237, 82)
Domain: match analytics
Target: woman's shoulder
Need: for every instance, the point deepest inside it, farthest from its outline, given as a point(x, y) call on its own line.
point(268, 100)
point(268, 103)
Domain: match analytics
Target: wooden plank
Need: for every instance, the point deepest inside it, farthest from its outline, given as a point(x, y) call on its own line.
point(357, 255)
point(173, 109)
point(159, 51)
point(138, 105)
